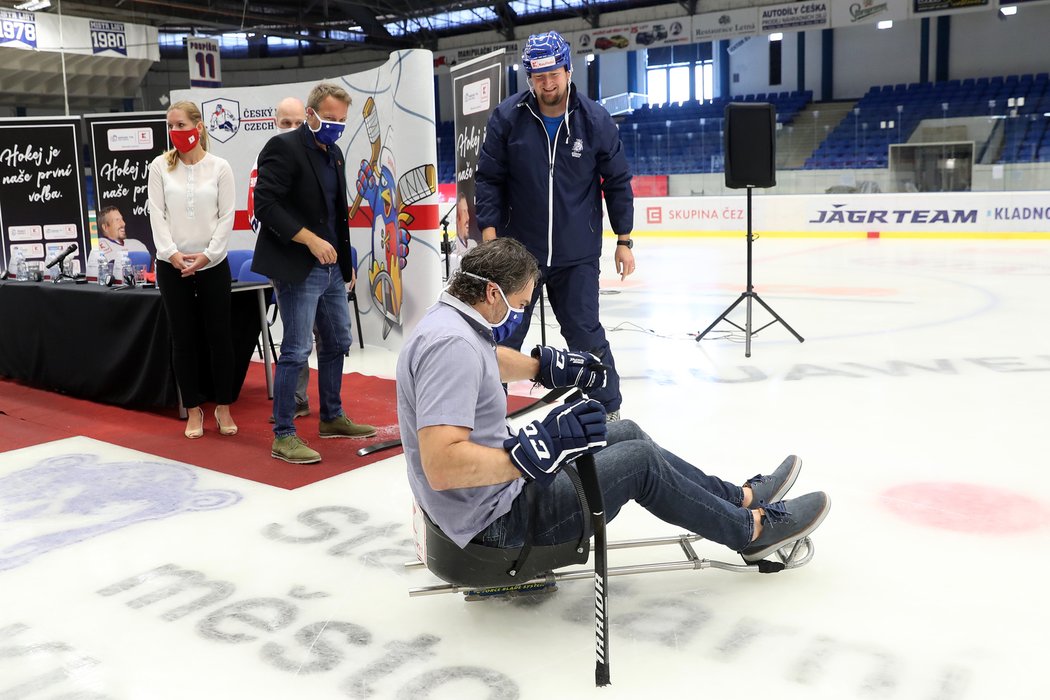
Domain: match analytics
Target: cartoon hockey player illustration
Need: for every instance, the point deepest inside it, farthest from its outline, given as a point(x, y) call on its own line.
point(222, 119)
point(388, 198)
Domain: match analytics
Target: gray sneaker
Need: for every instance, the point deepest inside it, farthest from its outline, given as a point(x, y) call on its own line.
point(301, 409)
point(292, 449)
point(343, 427)
point(773, 487)
point(785, 522)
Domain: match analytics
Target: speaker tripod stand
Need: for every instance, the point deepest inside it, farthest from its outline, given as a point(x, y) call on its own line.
point(747, 296)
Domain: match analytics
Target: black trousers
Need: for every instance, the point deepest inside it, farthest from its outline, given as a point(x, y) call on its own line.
point(198, 310)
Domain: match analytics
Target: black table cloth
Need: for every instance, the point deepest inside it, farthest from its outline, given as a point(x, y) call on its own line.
point(110, 345)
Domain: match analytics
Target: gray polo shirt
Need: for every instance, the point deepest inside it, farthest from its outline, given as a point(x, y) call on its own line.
point(447, 374)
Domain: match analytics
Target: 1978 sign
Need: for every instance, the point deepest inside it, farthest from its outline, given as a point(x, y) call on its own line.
point(18, 29)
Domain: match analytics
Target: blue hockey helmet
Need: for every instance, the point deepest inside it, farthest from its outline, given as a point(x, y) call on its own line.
point(546, 52)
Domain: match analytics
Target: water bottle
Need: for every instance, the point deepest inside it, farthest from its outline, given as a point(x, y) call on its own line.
point(103, 268)
point(21, 268)
point(127, 273)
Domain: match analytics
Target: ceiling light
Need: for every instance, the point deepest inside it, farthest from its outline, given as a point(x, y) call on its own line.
point(776, 36)
point(1009, 10)
point(885, 24)
point(33, 5)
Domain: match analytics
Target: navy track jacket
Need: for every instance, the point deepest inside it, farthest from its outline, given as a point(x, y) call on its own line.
point(549, 195)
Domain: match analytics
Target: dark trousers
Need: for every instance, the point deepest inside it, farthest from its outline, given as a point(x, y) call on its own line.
point(573, 294)
point(198, 310)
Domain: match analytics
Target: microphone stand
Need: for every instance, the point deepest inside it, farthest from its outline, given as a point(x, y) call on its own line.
point(62, 275)
point(446, 245)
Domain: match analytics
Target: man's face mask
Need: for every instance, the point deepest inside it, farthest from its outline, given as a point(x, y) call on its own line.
point(327, 132)
point(505, 327)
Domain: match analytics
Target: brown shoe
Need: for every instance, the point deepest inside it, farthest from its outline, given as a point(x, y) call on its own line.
point(343, 427)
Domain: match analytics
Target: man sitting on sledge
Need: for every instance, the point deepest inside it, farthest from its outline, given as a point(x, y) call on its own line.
point(470, 473)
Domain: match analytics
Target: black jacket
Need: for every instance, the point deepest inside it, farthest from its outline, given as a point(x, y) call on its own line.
point(289, 197)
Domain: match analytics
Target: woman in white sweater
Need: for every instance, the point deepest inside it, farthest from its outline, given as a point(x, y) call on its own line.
point(191, 201)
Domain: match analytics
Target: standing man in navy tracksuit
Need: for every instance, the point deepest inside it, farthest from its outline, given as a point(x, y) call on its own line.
point(549, 155)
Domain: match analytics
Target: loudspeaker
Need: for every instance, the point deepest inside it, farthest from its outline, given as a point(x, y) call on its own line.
point(750, 145)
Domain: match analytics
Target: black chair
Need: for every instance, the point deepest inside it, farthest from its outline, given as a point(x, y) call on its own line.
point(478, 566)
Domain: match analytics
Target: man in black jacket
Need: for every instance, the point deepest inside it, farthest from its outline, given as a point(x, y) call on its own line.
point(550, 154)
point(304, 247)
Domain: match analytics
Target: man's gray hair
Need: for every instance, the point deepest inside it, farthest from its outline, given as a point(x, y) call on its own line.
point(504, 261)
point(322, 90)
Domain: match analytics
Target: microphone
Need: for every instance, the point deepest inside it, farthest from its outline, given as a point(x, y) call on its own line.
point(63, 255)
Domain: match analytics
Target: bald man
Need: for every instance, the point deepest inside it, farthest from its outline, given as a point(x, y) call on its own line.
point(291, 113)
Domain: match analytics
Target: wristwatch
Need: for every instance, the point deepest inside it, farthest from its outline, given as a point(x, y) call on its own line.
point(629, 243)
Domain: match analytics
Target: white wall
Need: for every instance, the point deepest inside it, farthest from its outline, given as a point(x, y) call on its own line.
point(749, 67)
point(814, 47)
point(982, 45)
point(751, 63)
point(865, 55)
point(613, 73)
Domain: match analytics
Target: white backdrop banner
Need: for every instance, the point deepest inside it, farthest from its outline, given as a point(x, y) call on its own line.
point(794, 16)
point(847, 13)
point(923, 215)
point(628, 37)
point(393, 215)
point(931, 8)
point(713, 26)
point(454, 56)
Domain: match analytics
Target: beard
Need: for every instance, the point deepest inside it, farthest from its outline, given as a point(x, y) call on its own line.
point(553, 99)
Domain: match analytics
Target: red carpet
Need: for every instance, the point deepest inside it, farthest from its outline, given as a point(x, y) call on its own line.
point(30, 416)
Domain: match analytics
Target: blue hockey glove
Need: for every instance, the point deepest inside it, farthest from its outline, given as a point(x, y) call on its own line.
point(561, 368)
point(539, 450)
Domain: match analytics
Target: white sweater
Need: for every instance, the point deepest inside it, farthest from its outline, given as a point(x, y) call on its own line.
point(191, 207)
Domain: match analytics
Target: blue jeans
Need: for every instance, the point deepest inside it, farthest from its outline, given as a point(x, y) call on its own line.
point(319, 300)
point(633, 468)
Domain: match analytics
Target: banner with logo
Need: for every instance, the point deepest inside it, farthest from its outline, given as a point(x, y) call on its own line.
point(477, 87)
point(919, 215)
point(122, 147)
point(793, 17)
point(42, 206)
point(447, 58)
point(848, 13)
point(713, 26)
point(929, 8)
point(390, 144)
point(629, 37)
